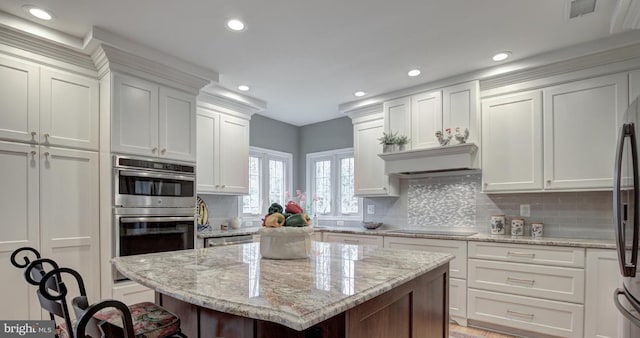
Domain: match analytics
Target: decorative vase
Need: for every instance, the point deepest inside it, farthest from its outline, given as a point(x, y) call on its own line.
point(537, 230)
point(401, 147)
point(497, 224)
point(285, 242)
point(517, 227)
point(387, 148)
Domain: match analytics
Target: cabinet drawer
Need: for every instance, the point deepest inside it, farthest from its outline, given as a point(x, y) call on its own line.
point(551, 282)
point(458, 299)
point(524, 313)
point(457, 267)
point(353, 239)
point(536, 254)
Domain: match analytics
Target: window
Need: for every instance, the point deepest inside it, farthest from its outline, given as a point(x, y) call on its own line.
point(269, 181)
point(330, 181)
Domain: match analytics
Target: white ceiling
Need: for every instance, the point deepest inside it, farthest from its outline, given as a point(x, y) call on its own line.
point(305, 57)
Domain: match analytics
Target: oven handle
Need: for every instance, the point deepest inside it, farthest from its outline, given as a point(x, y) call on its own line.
point(155, 219)
point(155, 175)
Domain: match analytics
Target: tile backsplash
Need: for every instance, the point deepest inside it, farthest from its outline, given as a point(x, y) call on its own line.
point(457, 201)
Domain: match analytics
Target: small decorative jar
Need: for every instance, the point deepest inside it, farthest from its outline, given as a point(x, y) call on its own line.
point(497, 224)
point(517, 227)
point(536, 229)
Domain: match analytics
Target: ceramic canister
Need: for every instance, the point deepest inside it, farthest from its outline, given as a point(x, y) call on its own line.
point(517, 227)
point(536, 229)
point(497, 224)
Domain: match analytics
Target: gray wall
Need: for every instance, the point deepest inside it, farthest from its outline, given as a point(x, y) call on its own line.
point(322, 136)
point(276, 135)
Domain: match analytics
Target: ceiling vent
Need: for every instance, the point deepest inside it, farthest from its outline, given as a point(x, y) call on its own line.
point(581, 7)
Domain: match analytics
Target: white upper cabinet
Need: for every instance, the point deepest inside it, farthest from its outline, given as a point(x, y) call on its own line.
point(68, 110)
point(426, 119)
point(581, 121)
point(512, 142)
point(152, 120)
point(19, 113)
point(177, 123)
point(369, 178)
point(397, 116)
point(460, 108)
point(51, 107)
point(223, 153)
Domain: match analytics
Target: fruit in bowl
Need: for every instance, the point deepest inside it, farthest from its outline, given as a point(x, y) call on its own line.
point(371, 225)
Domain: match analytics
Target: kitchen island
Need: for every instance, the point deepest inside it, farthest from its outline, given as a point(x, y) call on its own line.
point(340, 291)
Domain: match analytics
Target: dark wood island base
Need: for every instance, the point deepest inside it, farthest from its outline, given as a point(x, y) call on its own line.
point(416, 309)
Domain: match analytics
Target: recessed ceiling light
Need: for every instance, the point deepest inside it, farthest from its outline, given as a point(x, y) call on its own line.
point(244, 88)
point(359, 93)
point(414, 72)
point(38, 12)
point(501, 56)
point(235, 24)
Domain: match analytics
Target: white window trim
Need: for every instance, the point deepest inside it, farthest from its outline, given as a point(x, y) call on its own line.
point(265, 155)
point(335, 156)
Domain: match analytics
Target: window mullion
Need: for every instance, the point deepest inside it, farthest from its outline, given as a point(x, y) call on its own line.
point(335, 191)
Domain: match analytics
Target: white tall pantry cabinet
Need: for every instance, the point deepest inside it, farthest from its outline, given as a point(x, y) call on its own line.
point(49, 165)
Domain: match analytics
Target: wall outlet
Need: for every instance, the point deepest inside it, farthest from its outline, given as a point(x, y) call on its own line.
point(371, 209)
point(525, 210)
point(339, 223)
point(248, 223)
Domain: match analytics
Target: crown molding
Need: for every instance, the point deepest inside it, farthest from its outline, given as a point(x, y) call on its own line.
point(41, 51)
point(219, 98)
point(110, 59)
point(145, 58)
point(33, 29)
point(589, 54)
point(366, 113)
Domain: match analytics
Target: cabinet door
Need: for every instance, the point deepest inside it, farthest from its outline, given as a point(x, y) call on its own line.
point(233, 162)
point(68, 110)
point(603, 277)
point(19, 97)
point(69, 224)
point(397, 116)
point(131, 293)
point(135, 116)
point(369, 178)
point(208, 124)
point(581, 121)
point(177, 123)
point(460, 108)
point(512, 142)
point(19, 227)
point(634, 85)
point(426, 119)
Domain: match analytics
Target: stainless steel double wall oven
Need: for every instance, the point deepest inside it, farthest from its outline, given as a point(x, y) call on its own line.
point(154, 206)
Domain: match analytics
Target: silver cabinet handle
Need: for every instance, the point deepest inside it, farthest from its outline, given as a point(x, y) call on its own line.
point(154, 150)
point(47, 153)
point(351, 241)
point(33, 133)
point(521, 254)
point(33, 153)
point(223, 186)
point(164, 150)
point(522, 281)
point(548, 182)
point(520, 314)
point(46, 135)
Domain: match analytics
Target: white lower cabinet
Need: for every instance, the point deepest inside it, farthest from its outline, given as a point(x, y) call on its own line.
point(602, 278)
point(526, 313)
point(457, 268)
point(352, 239)
point(50, 203)
point(131, 293)
point(527, 288)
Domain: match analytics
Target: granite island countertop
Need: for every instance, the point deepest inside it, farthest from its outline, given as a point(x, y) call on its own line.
point(480, 237)
point(295, 293)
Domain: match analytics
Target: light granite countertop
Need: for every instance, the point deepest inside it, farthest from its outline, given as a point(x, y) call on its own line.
point(480, 237)
point(295, 293)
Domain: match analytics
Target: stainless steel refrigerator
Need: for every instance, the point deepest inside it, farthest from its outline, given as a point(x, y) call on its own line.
point(626, 196)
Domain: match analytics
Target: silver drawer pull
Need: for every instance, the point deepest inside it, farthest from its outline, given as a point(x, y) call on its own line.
point(523, 281)
point(520, 314)
point(351, 241)
point(521, 254)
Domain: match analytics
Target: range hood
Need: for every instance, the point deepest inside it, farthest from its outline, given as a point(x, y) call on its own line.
point(459, 157)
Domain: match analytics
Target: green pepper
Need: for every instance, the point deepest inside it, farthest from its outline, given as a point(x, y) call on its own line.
point(298, 220)
point(275, 208)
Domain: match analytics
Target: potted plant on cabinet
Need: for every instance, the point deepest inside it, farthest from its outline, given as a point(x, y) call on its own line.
point(402, 141)
point(388, 141)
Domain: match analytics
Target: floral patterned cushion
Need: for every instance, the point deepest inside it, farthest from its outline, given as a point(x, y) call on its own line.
point(61, 330)
point(149, 320)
